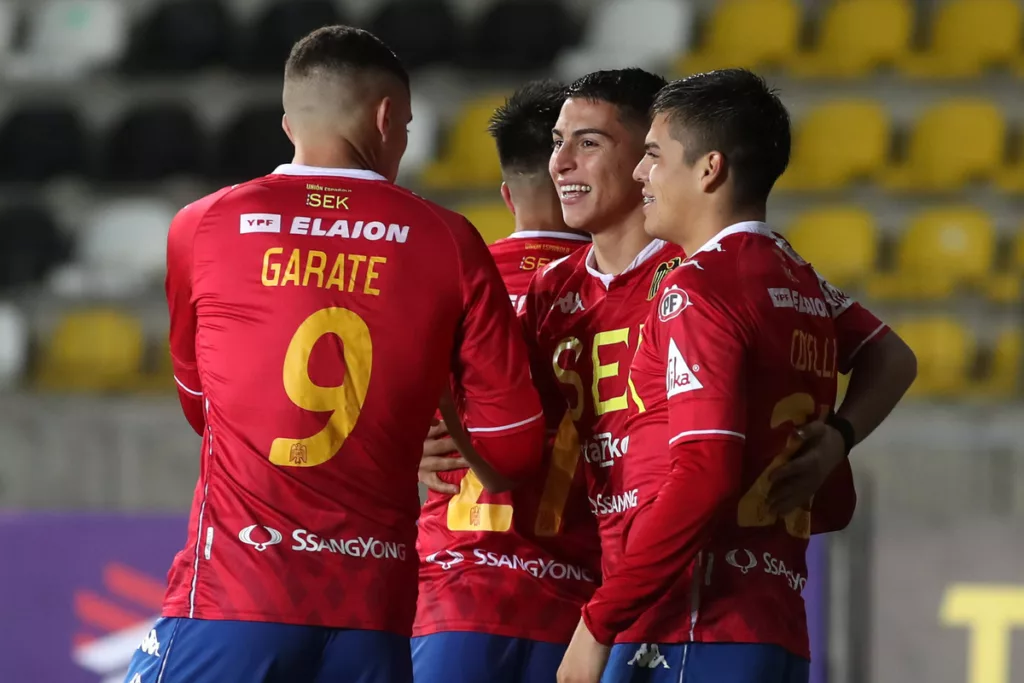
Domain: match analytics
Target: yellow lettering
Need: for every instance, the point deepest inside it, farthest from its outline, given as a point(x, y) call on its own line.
point(337, 277)
point(356, 259)
point(326, 201)
point(989, 612)
point(804, 355)
point(570, 377)
point(543, 261)
point(629, 377)
point(529, 263)
point(616, 403)
point(372, 275)
point(314, 200)
point(271, 271)
point(317, 269)
point(291, 271)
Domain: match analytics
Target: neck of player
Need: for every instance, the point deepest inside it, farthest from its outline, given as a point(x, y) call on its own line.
point(694, 236)
point(618, 245)
point(338, 153)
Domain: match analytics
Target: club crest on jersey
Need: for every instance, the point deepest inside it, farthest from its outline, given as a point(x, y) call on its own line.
point(674, 301)
point(245, 536)
point(297, 454)
point(659, 275)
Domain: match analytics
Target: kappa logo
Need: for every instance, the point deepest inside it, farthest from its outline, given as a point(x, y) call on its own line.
point(648, 656)
point(137, 678)
point(679, 376)
point(245, 536)
point(674, 301)
point(749, 560)
point(570, 303)
point(446, 558)
point(150, 645)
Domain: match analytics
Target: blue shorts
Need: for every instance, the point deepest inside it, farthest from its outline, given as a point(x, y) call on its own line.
point(201, 651)
point(704, 663)
point(466, 657)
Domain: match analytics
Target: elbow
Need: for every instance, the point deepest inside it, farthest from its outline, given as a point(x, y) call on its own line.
point(511, 458)
point(903, 360)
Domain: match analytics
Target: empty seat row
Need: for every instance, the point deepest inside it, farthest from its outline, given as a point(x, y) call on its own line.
point(856, 37)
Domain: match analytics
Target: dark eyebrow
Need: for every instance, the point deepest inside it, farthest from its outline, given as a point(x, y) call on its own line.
point(651, 145)
point(581, 132)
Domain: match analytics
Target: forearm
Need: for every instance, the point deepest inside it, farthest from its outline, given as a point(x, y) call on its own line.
point(881, 374)
point(667, 535)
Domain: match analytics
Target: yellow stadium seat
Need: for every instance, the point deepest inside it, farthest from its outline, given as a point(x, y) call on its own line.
point(945, 352)
point(841, 243)
point(748, 33)
point(941, 249)
point(161, 377)
point(493, 220)
point(953, 143)
point(469, 159)
point(94, 350)
point(1004, 370)
point(1005, 286)
point(836, 143)
point(967, 37)
point(856, 38)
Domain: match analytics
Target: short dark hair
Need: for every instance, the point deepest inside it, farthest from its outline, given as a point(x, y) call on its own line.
point(522, 126)
point(732, 111)
point(343, 48)
point(631, 90)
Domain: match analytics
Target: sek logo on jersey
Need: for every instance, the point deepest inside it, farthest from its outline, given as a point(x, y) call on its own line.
point(837, 298)
point(614, 503)
point(745, 560)
point(679, 376)
point(673, 302)
point(602, 449)
point(540, 568)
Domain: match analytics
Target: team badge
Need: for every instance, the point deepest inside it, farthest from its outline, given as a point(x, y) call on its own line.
point(659, 275)
point(674, 301)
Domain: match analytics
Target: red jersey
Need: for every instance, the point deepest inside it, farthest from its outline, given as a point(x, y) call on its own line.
point(520, 255)
point(300, 328)
point(482, 552)
point(744, 345)
point(584, 327)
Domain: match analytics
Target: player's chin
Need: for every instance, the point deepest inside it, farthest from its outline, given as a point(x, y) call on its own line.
point(652, 223)
point(579, 216)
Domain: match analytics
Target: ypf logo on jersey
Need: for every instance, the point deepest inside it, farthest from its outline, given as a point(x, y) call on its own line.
point(245, 536)
point(259, 222)
point(446, 558)
point(679, 376)
point(674, 301)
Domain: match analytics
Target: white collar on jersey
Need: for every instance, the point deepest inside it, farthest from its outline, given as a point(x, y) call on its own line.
point(755, 227)
point(299, 169)
point(541, 234)
point(607, 278)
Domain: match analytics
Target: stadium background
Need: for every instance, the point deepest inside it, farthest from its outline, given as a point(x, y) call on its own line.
point(906, 188)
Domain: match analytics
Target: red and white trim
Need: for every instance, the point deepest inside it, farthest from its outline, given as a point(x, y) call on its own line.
point(491, 430)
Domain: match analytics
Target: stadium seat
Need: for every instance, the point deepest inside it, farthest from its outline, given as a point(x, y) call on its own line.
point(1003, 372)
point(491, 219)
point(423, 132)
point(968, 37)
point(68, 38)
point(518, 35)
point(841, 242)
point(748, 33)
point(92, 350)
point(39, 142)
point(421, 33)
point(277, 29)
point(945, 353)
point(941, 250)
point(953, 143)
point(856, 38)
point(1005, 286)
point(469, 158)
point(253, 145)
point(644, 33)
point(31, 245)
point(837, 143)
point(179, 36)
point(13, 345)
point(128, 235)
point(155, 142)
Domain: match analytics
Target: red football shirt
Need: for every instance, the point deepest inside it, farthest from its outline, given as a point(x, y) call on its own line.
point(482, 552)
point(583, 328)
point(744, 345)
point(316, 315)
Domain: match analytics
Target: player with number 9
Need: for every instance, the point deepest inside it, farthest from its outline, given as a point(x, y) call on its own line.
point(310, 357)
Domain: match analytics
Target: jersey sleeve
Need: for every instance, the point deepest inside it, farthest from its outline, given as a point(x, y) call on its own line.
point(553, 403)
point(855, 325)
point(491, 364)
point(178, 287)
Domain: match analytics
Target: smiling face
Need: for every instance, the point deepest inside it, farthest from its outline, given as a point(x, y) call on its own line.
point(672, 189)
point(591, 164)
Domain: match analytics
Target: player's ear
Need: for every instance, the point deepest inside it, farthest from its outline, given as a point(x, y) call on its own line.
point(383, 117)
point(711, 169)
point(287, 128)
point(506, 195)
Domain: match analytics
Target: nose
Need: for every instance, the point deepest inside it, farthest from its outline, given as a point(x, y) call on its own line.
point(642, 170)
point(562, 159)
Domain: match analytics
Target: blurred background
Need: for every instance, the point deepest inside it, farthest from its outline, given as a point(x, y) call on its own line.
point(906, 188)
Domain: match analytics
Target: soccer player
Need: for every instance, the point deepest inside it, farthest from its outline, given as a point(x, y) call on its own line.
point(743, 345)
point(504, 575)
point(316, 315)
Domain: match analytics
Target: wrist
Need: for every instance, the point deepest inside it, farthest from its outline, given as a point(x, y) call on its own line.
point(845, 429)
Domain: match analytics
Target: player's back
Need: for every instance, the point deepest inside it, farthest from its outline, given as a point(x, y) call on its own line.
point(328, 307)
point(523, 253)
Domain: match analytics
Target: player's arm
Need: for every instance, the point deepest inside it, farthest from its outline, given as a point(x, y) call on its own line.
point(501, 412)
point(707, 418)
point(178, 286)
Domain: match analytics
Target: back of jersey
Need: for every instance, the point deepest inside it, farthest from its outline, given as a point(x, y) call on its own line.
point(523, 253)
point(330, 308)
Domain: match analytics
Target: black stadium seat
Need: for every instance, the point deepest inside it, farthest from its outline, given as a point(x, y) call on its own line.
point(39, 142)
point(253, 145)
point(271, 38)
point(420, 33)
point(519, 35)
point(31, 244)
point(154, 142)
point(180, 36)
